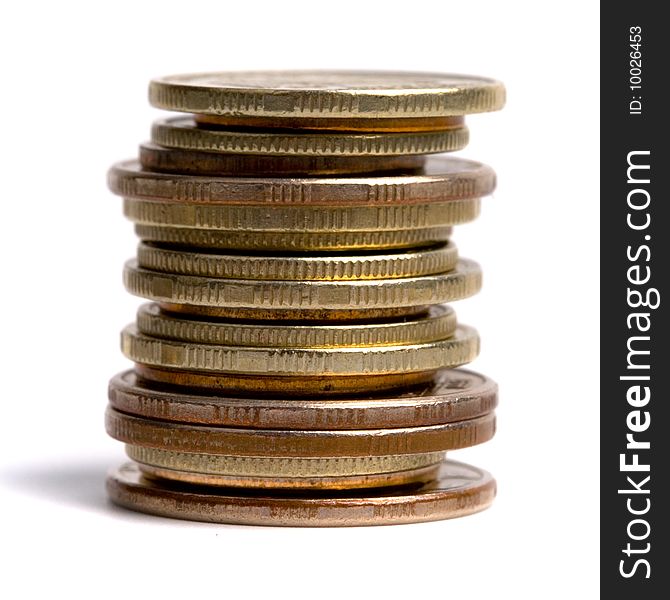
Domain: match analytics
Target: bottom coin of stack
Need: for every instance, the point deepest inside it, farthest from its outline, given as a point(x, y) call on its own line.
point(350, 460)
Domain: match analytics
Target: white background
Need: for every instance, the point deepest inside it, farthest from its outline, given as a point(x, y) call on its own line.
point(73, 95)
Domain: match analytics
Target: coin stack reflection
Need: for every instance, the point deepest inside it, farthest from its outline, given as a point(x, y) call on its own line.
point(298, 362)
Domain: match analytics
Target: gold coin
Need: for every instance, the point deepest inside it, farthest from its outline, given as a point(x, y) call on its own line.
point(184, 133)
point(455, 351)
point(291, 241)
point(438, 324)
point(293, 386)
point(253, 466)
point(299, 266)
point(456, 491)
point(328, 95)
point(203, 439)
point(175, 160)
point(442, 178)
point(365, 295)
point(298, 220)
point(451, 395)
point(337, 482)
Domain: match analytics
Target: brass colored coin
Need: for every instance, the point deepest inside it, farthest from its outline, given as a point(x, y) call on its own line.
point(184, 133)
point(451, 395)
point(378, 125)
point(318, 296)
point(291, 241)
point(194, 162)
point(184, 437)
point(457, 490)
point(338, 482)
point(291, 386)
point(438, 324)
point(306, 315)
point(455, 351)
point(250, 466)
point(299, 266)
point(442, 179)
point(327, 95)
point(299, 220)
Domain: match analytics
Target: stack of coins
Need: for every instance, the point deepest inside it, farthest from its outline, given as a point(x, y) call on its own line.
point(297, 364)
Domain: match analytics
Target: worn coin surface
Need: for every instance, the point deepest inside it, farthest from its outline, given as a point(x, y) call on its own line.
point(195, 162)
point(457, 490)
point(300, 220)
point(299, 266)
point(439, 323)
point(184, 133)
point(186, 437)
point(247, 466)
point(442, 178)
point(255, 385)
point(461, 348)
point(291, 241)
point(334, 482)
point(319, 297)
point(451, 395)
point(327, 96)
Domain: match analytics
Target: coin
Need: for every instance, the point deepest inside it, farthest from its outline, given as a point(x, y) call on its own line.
point(299, 220)
point(331, 96)
point(184, 133)
point(249, 466)
point(442, 179)
point(281, 386)
point(438, 324)
point(299, 266)
point(388, 125)
point(457, 490)
point(175, 160)
point(338, 482)
point(451, 395)
point(290, 241)
point(454, 351)
point(317, 297)
point(186, 437)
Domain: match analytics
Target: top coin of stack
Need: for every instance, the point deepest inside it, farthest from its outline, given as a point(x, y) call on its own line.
point(296, 243)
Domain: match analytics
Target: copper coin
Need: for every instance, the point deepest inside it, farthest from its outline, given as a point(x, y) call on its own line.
point(182, 437)
point(288, 386)
point(450, 395)
point(442, 179)
point(198, 162)
point(457, 490)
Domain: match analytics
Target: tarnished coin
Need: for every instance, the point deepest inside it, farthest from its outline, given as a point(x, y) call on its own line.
point(456, 491)
point(195, 162)
point(438, 324)
point(251, 466)
point(291, 299)
point(203, 439)
point(300, 220)
point(282, 386)
point(327, 96)
point(184, 133)
point(335, 482)
point(442, 179)
point(299, 266)
point(457, 350)
point(291, 241)
point(451, 395)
